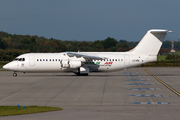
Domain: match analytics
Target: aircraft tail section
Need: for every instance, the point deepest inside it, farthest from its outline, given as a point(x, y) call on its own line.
point(150, 43)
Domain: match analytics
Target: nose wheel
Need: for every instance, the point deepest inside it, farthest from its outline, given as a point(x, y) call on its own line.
point(14, 74)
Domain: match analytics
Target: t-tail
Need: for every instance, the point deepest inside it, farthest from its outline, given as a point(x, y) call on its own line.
point(150, 44)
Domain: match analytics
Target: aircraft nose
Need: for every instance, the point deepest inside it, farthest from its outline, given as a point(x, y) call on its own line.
point(5, 66)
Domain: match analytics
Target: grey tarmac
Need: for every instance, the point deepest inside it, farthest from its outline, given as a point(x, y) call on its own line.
point(123, 95)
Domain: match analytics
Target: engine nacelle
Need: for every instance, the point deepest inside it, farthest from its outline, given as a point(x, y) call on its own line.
point(75, 64)
point(71, 63)
point(65, 63)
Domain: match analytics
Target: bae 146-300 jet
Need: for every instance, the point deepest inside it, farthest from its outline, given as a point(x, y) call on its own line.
point(82, 63)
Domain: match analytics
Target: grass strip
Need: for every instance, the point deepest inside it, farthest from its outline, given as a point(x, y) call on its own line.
point(14, 110)
point(3, 62)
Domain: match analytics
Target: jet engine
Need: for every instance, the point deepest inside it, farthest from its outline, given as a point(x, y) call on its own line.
point(75, 64)
point(71, 63)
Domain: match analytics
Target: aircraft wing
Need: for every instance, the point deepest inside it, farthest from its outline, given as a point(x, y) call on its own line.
point(87, 56)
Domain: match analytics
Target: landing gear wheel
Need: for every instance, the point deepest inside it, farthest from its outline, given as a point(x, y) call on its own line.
point(78, 74)
point(85, 74)
point(14, 74)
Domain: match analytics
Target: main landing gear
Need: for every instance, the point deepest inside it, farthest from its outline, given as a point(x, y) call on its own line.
point(14, 74)
point(82, 71)
point(78, 74)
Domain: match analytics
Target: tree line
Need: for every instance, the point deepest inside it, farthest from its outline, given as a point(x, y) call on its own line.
point(13, 45)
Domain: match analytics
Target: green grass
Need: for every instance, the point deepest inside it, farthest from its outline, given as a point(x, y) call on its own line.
point(176, 53)
point(3, 63)
point(13, 110)
point(161, 58)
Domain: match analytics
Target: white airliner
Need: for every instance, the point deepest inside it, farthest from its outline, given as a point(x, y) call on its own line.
point(81, 63)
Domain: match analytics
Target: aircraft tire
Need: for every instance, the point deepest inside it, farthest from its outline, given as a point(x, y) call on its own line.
point(14, 74)
point(85, 74)
point(78, 74)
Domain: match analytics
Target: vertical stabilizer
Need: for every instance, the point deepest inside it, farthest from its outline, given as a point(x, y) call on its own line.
point(150, 43)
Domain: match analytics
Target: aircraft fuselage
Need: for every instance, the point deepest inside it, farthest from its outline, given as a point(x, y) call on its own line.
point(51, 62)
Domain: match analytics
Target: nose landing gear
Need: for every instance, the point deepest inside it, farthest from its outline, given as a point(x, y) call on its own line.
point(14, 74)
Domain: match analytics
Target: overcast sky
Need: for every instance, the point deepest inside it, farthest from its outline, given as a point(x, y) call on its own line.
point(90, 20)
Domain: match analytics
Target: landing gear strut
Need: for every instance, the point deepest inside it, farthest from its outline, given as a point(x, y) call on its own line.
point(82, 71)
point(14, 74)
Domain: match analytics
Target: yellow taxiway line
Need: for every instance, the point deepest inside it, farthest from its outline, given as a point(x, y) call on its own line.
point(169, 87)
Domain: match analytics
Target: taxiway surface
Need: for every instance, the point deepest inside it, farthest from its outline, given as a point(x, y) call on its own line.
point(130, 94)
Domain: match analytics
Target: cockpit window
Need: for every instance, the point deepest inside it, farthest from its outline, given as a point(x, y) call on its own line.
point(16, 59)
point(19, 59)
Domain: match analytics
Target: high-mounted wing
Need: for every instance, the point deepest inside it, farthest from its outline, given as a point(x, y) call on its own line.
point(88, 56)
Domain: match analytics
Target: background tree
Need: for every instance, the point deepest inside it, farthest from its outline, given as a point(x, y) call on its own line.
point(109, 42)
point(3, 44)
point(13, 45)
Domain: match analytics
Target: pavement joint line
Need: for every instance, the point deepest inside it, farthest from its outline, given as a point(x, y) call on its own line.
point(59, 92)
point(104, 89)
point(34, 84)
point(169, 87)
